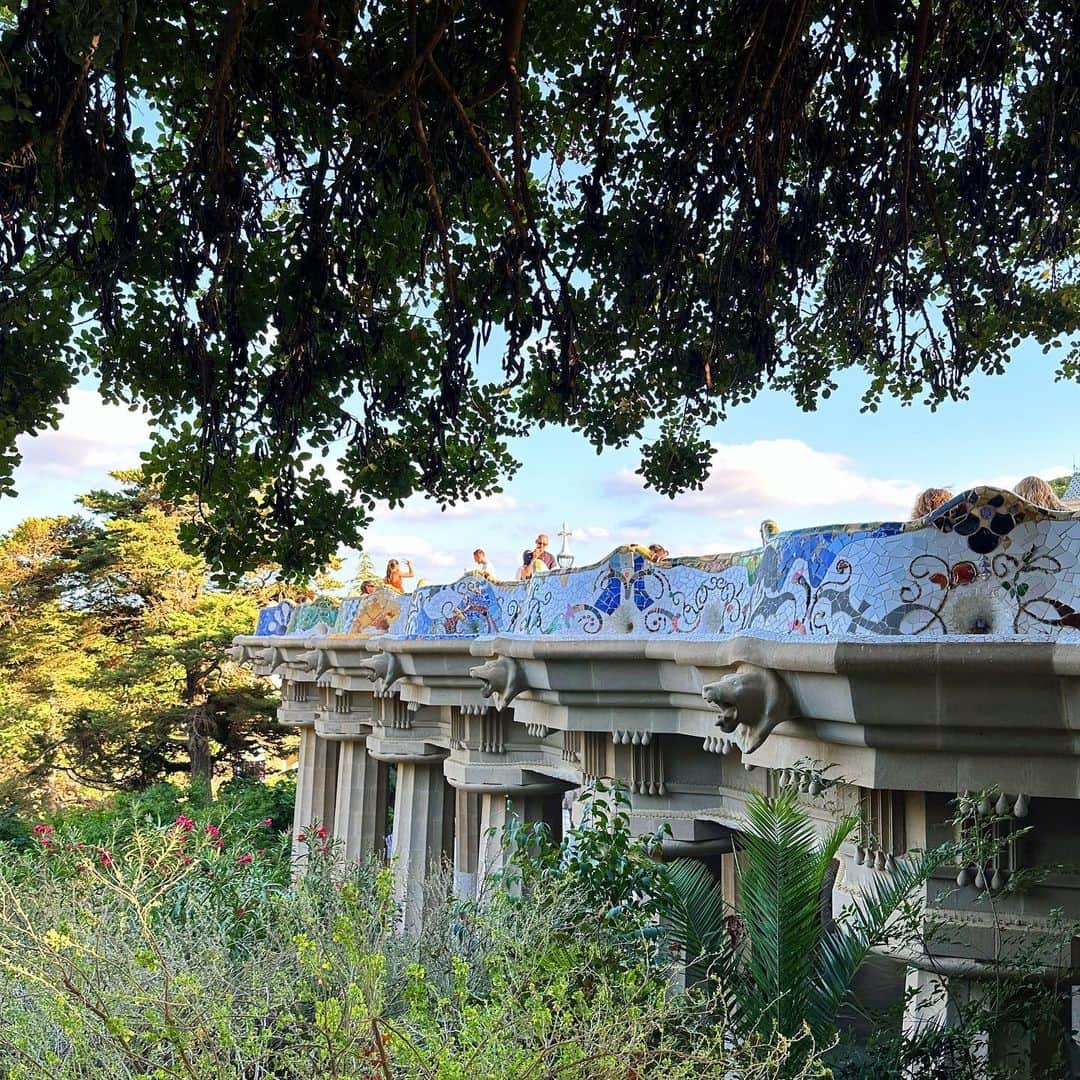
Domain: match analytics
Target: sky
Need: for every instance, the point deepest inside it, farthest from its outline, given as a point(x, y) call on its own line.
point(771, 460)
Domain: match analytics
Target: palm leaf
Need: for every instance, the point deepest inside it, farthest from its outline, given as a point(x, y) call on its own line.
point(784, 870)
point(694, 908)
point(861, 926)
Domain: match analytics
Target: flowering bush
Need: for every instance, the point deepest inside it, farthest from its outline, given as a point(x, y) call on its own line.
point(183, 950)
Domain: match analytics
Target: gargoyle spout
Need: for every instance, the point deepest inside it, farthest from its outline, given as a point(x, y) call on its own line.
point(317, 660)
point(383, 669)
point(751, 702)
point(503, 679)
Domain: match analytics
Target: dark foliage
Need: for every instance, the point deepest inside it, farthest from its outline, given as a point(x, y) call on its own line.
point(291, 226)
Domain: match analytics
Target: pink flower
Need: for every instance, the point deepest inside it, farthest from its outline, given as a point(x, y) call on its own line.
point(41, 829)
point(245, 860)
point(322, 833)
point(106, 857)
point(324, 848)
point(220, 844)
point(302, 838)
point(213, 831)
point(268, 823)
point(183, 824)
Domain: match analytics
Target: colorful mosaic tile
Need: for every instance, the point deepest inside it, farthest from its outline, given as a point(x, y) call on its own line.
point(313, 619)
point(987, 564)
point(369, 615)
point(274, 620)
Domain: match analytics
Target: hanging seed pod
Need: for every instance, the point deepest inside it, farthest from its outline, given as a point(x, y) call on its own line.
point(860, 855)
point(815, 787)
point(997, 881)
point(636, 740)
point(646, 738)
point(963, 879)
point(1020, 807)
point(1003, 805)
point(879, 862)
point(980, 879)
point(985, 808)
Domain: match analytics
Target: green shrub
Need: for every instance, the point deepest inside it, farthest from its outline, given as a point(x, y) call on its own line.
point(169, 956)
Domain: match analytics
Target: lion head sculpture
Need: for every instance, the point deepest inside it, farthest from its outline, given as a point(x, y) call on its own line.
point(383, 669)
point(503, 679)
point(751, 702)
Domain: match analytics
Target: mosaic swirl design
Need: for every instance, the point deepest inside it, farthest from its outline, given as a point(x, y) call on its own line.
point(986, 563)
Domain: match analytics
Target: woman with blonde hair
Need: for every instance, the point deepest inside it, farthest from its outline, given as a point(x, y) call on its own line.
point(929, 500)
point(394, 575)
point(1034, 489)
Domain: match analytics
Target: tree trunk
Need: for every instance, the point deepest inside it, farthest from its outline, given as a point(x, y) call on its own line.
point(202, 761)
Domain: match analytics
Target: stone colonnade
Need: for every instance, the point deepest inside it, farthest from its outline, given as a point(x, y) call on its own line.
point(894, 733)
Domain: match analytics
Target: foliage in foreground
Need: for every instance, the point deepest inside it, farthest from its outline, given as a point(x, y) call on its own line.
point(782, 969)
point(145, 964)
point(183, 950)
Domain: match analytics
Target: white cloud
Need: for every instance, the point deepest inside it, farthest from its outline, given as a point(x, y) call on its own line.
point(92, 437)
point(426, 510)
point(590, 532)
point(768, 476)
point(407, 546)
point(1008, 480)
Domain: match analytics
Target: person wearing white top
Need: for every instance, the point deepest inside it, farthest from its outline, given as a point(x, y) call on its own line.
point(482, 564)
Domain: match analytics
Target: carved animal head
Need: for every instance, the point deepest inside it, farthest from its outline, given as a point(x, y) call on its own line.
point(317, 660)
point(751, 701)
point(383, 669)
point(503, 679)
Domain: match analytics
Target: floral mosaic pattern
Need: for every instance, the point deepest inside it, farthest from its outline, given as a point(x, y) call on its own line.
point(986, 563)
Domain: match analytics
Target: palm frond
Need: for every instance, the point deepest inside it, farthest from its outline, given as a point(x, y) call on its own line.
point(862, 925)
point(694, 909)
point(784, 870)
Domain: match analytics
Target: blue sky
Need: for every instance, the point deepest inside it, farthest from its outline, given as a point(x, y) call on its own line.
point(771, 461)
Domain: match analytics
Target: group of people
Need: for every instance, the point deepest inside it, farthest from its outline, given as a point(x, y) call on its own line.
point(539, 560)
point(1033, 489)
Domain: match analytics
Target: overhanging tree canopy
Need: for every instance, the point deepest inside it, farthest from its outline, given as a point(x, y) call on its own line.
point(285, 225)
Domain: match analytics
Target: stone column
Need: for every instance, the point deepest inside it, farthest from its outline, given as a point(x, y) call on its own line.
point(360, 806)
point(467, 835)
point(934, 1001)
point(542, 806)
point(423, 832)
point(316, 786)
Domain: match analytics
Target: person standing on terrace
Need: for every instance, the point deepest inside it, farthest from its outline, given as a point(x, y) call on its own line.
point(542, 555)
point(1036, 490)
point(525, 570)
point(394, 576)
point(482, 565)
point(929, 500)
